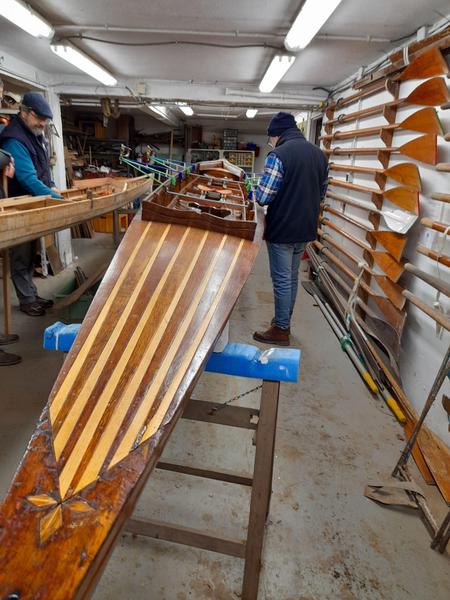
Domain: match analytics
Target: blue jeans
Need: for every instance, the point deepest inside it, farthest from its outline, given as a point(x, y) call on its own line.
point(284, 260)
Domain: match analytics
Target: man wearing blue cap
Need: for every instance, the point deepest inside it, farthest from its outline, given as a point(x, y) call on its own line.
point(24, 139)
point(292, 186)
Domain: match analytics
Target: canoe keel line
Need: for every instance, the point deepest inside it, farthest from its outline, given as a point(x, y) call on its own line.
point(150, 329)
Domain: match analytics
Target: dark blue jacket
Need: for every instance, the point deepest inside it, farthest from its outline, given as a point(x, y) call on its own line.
point(37, 149)
point(293, 214)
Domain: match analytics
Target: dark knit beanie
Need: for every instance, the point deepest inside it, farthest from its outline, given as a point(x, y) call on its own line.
point(279, 123)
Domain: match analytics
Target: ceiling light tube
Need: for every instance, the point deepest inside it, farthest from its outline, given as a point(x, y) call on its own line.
point(159, 109)
point(80, 60)
point(186, 109)
point(279, 66)
point(312, 16)
point(251, 113)
point(26, 18)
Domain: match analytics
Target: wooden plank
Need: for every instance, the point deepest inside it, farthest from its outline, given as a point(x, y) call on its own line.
point(135, 361)
point(418, 456)
point(227, 476)
point(215, 412)
point(186, 536)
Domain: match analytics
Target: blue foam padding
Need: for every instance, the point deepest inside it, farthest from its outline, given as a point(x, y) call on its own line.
point(242, 360)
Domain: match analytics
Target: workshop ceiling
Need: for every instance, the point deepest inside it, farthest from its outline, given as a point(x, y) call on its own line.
point(185, 55)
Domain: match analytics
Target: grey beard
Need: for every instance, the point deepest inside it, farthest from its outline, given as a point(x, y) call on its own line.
point(36, 131)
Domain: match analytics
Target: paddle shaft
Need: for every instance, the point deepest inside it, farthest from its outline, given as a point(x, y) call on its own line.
point(436, 225)
point(435, 282)
point(441, 197)
point(440, 258)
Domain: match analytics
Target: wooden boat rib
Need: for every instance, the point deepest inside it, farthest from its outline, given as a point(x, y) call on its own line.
point(140, 350)
point(27, 218)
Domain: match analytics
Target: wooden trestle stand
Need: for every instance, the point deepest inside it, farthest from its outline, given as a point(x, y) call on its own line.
point(272, 366)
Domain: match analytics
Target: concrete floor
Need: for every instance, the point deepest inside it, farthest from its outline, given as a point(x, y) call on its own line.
point(324, 540)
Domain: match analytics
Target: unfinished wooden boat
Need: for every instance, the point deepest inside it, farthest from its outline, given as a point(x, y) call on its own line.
point(211, 198)
point(150, 329)
point(26, 218)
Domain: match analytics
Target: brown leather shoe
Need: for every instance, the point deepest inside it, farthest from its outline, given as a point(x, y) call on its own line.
point(274, 335)
point(272, 322)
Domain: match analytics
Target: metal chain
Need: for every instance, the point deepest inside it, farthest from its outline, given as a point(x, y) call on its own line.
point(217, 408)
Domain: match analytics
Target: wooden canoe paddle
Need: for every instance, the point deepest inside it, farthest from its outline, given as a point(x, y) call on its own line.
point(436, 225)
point(432, 92)
point(430, 63)
point(383, 260)
point(424, 120)
point(443, 167)
point(392, 290)
point(394, 316)
point(441, 197)
point(405, 198)
point(393, 242)
point(423, 149)
point(405, 173)
point(435, 314)
point(395, 219)
point(438, 284)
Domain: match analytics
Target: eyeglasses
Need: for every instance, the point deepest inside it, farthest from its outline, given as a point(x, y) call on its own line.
point(44, 120)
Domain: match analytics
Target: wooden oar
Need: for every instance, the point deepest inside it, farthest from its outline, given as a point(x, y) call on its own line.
point(433, 92)
point(423, 149)
point(436, 225)
point(383, 260)
point(406, 173)
point(404, 197)
point(440, 258)
point(394, 316)
point(439, 284)
point(388, 85)
point(393, 242)
point(395, 219)
point(423, 121)
point(440, 197)
point(443, 167)
point(435, 314)
point(392, 290)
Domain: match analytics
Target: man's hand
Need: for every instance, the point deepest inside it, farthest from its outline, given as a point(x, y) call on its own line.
point(9, 170)
point(56, 190)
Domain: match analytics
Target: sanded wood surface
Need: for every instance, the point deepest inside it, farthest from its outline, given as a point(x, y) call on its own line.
point(150, 329)
point(28, 218)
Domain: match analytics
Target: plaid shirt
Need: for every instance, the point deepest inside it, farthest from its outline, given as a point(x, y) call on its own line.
point(270, 181)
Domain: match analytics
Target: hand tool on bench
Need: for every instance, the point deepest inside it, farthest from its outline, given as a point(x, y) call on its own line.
point(383, 260)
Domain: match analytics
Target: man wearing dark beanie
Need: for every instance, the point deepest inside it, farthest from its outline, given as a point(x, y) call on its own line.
point(292, 186)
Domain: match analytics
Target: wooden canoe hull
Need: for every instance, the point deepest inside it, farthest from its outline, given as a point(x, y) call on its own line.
point(149, 331)
point(23, 220)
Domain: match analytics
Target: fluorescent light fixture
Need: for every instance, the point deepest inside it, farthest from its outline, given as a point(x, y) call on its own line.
point(312, 16)
point(277, 69)
point(80, 60)
point(24, 17)
point(217, 116)
point(251, 113)
point(185, 108)
point(159, 109)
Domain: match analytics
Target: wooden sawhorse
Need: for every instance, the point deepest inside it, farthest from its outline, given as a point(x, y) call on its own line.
point(272, 366)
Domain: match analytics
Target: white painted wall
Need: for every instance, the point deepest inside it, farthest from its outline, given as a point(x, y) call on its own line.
point(421, 349)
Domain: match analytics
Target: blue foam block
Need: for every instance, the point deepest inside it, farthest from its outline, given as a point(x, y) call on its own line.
point(242, 360)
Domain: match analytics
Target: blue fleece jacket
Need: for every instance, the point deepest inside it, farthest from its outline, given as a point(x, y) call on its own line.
point(25, 170)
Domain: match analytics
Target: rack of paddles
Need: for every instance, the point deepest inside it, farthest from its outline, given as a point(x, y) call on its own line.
point(272, 366)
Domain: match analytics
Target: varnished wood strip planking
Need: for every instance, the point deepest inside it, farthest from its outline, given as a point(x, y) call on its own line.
point(95, 464)
point(129, 391)
point(76, 366)
point(80, 401)
point(131, 437)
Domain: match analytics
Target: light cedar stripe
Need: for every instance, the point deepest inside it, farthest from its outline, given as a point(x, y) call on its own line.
point(60, 395)
point(140, 430)
point(115, 427)
point(128, 391)
point(78, 404)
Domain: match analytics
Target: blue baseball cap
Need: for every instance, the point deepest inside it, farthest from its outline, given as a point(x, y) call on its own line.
point(37, 103)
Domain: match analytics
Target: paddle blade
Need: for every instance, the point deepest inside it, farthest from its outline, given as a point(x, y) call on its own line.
point(404, 198)
point(424, 120)
point(393, 242)
point(406, 173)
point(388, 265)
point(423, 149)
point(399, 221)
point(432, 92)
point(428, 64)
point(394, 316)
point(392, 290)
